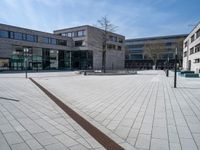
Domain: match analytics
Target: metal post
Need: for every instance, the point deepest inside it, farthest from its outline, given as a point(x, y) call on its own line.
point(26, 65)
point(70, 60)
point(26, 60)
point(175, 69)
point(167, 74)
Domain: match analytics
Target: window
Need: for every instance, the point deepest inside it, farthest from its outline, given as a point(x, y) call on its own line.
point(72, 34)
point(75, 34)
point(80, 33)
point(69, 34)
point(62, 42)
point(168, 44)
point(53, 41)
point(78, 43)
point(192, 51)
point(111, 46)
point(3, 34)
point(192, 38)
point(136, 46)
point(186, 44)
point(198, 33)
point(110, 38)
point(46, 40)
point(11, 35)
point(115, 39)
point(31, 38)
point(120, 40)
point(24, 36)
point(63, 34)
point(18, 36)
point(84, 33)
point(185, 54)
point(197, 60)
point(197, 48)
point(119, 48)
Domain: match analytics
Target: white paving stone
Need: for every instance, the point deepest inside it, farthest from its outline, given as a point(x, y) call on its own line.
point(141, 110)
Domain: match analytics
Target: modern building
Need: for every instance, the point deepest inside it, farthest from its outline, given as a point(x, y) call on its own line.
point(80, 50)
point(88, 40)
point(137, 58)
point(191, 51)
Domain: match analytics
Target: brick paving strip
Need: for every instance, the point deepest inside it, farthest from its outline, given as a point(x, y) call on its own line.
point(103, 139)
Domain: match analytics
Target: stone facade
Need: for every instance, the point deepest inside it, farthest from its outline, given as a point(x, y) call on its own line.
point(191, 51)
point(92, 40)
point(87, 45)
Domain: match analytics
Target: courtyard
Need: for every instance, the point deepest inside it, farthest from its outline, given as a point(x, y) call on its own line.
point(139, 112)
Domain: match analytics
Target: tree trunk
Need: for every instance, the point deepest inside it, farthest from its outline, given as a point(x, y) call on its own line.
point(104, 61)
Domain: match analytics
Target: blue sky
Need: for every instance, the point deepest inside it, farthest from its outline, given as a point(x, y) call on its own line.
point(134, 18)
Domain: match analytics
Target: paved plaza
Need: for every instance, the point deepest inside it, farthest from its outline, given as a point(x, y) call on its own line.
point(139, 112)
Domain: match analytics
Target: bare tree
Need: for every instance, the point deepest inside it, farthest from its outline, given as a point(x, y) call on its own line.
point(179, 46)
point(106, 26)
point(153, 49)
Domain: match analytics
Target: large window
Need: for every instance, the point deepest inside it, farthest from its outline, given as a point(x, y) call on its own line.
point(46, 40)
point(198, 33)
point(62, 42)
point(78, 43)
point(4, 34)
point(53, 41)
point(80, 33)
point(18, 36)
point(31, 38)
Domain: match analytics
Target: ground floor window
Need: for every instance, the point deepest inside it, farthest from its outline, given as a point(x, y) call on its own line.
point(48, 59)
point(4, 64)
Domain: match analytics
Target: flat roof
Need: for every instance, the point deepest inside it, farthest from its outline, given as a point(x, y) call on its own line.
point(157, 37)
point(27, 29)
point(76, 27)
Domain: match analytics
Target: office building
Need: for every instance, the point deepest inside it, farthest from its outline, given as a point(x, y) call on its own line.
point(80, 50)
point(137, 58)
point(89, 41)
point(191, 51)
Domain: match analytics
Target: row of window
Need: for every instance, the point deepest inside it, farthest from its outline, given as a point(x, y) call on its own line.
point(30, 38)
point(75, 33)
point(195, 49)
point(115, 39)
point(18, 36)
point(113, 47)
point(193, 37)
point(53, 41)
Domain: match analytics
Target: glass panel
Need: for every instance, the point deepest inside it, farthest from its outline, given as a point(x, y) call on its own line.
point(53, 41)
point(46, 40)
point(18, 36)
point(31, 38)
point(3, 34)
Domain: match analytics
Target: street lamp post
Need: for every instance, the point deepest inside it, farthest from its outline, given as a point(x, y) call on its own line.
point(175, 69)
point(167, 74)
point(26, 60)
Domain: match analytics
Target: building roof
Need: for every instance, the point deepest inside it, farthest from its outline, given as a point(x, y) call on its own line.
point(90, 26)
point(157, 38)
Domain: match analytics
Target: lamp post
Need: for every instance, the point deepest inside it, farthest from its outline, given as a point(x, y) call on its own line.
point(26, 60)
point(175, 69)
point(167, 74)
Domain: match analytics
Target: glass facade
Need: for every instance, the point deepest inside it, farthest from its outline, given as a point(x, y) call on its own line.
point(31, 38)
point(49, 59)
